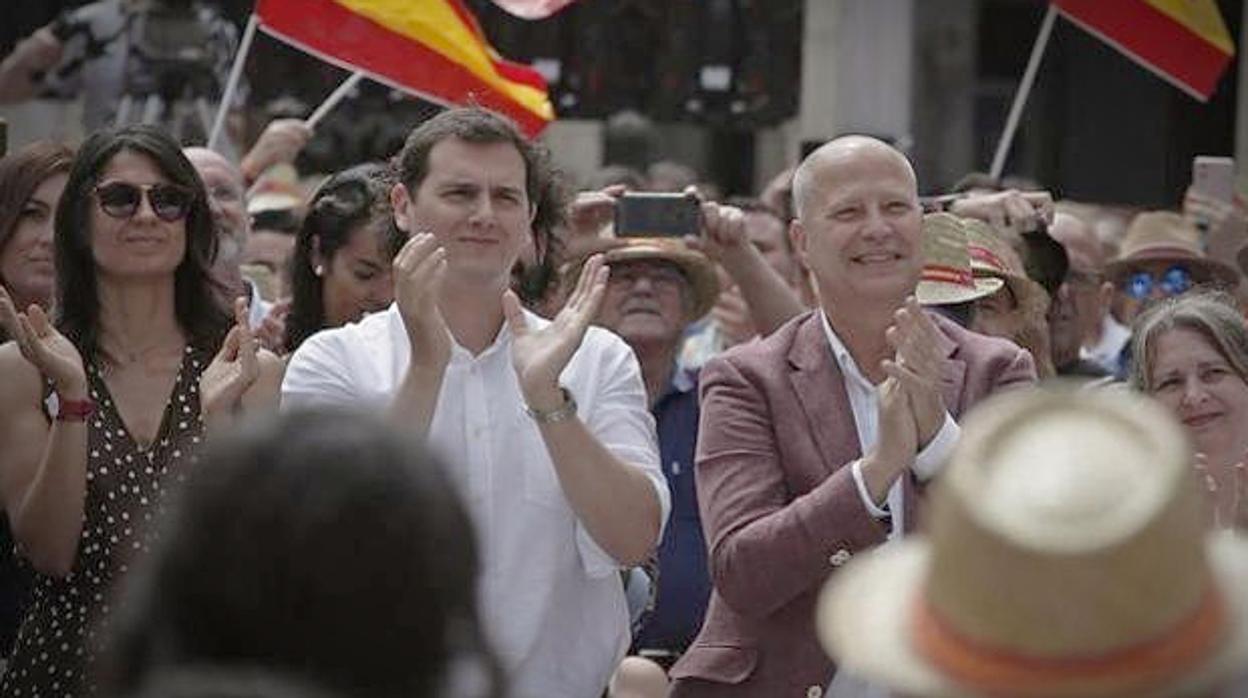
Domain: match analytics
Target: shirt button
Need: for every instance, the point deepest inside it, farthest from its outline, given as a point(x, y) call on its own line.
point(839, 557)
point(814, 692)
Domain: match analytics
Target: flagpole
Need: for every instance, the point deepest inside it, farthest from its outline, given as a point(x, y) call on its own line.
point(334, 98)
point(231, 84)
point(1024, 89)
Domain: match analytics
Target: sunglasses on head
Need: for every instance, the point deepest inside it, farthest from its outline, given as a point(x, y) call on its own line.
point(1172, 282)
point(169, 202)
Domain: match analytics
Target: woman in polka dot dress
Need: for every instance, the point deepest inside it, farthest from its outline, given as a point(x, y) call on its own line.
point(100, 413)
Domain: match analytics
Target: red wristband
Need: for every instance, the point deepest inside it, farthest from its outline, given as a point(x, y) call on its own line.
point(74, 410)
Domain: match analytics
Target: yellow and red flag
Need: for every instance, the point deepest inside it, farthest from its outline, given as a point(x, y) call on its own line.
point(1183, 41)
point(432, 48)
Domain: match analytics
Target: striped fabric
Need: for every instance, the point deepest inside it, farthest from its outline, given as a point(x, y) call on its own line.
point(1183, 41)
point(432, 48)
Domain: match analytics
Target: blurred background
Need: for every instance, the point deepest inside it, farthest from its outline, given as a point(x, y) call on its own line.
point(739, 89)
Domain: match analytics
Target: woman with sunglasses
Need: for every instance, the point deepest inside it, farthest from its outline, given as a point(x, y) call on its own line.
point(102, 410)
point(340, 269)
point(1191, 353)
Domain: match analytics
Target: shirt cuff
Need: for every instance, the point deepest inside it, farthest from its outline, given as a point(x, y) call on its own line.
point(932, 458)
point(875, 510)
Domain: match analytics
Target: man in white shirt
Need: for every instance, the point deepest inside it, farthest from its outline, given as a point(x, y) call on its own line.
point(815, 442)
point(544, 425)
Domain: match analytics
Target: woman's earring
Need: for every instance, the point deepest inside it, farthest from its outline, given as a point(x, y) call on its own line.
point(319, 270)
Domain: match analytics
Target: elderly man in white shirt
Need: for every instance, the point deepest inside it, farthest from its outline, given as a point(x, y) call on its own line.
point(544, 424)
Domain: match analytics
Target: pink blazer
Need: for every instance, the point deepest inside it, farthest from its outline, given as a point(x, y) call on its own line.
point(780, 511)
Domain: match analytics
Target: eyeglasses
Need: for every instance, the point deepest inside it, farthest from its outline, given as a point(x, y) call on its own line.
point(1173, 282)
point(169, 202)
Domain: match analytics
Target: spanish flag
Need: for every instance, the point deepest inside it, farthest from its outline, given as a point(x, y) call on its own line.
point(432, 48)
point(1183, 41)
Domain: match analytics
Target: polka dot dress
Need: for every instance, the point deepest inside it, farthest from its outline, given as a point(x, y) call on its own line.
point(56, 647)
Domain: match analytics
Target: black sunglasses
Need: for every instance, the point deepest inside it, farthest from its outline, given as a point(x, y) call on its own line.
point(169, 202)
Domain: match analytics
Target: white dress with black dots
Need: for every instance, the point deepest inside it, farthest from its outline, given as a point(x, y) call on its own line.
point(56, 648)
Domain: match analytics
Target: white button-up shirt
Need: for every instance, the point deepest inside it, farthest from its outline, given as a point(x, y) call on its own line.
point(550, 597)
point(864, 402)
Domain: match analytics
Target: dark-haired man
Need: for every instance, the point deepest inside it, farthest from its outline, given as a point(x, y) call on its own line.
point(543, 424)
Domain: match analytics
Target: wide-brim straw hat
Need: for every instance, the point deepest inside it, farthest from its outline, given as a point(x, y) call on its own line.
point(947, 277)
point(1165, 236)
point(698, 269)
point(992, 255)
point(1067, 555)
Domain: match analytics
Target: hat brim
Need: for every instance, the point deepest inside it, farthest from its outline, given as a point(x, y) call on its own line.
point(864, 613)
point(1205, 270)
point(944, 293)
point(698, 269)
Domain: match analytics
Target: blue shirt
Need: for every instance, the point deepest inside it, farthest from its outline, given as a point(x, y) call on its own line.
point(684, 582)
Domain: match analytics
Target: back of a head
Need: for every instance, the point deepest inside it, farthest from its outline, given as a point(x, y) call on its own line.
point(321, 545)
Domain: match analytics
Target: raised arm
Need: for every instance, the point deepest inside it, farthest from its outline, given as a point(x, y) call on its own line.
point(43, 467)
point(771, 300)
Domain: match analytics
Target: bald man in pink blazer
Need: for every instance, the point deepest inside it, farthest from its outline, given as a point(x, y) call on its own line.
point(815, 442)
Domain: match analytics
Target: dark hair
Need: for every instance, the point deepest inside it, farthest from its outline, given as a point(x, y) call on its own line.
point(197, 296)
point(542, 184)
point(21, 174)
point(321, 545)
point(201, 681)
point(351, 201)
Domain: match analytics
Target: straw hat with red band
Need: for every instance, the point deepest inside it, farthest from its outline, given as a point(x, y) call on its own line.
point(1165, 236)
point(947, 276)
point(698, 270)
point(1066, 555)
point(993, 256)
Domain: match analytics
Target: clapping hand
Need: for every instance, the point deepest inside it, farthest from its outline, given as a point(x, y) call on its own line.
point(917, 367)
point(43, 346)
point(233, 370)
point(418, 272)
point(539, 356)
point(1226, 489)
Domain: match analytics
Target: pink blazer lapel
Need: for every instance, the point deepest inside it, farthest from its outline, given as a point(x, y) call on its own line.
point(954, 370)
point(820, 390)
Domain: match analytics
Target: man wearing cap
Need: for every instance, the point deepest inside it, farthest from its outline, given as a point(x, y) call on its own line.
point(1161, 256)
point(815, 440)
point(543, 425)
point(656, 288)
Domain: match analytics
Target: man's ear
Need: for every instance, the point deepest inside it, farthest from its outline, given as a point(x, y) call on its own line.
point(402, 205)
point(797, 236)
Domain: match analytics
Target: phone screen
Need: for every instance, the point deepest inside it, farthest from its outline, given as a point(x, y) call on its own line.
point(649, 214)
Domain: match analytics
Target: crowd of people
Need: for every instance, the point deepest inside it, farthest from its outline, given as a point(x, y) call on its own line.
point(522, 453)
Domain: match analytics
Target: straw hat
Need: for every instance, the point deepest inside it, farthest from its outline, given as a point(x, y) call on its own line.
point(1067, 556)
point(993, 256)
point(1165, 236)
point(947, 277)
point(697, 268)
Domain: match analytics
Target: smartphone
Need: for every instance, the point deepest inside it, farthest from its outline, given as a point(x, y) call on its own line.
point(655, 214)
point(1214, 177)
